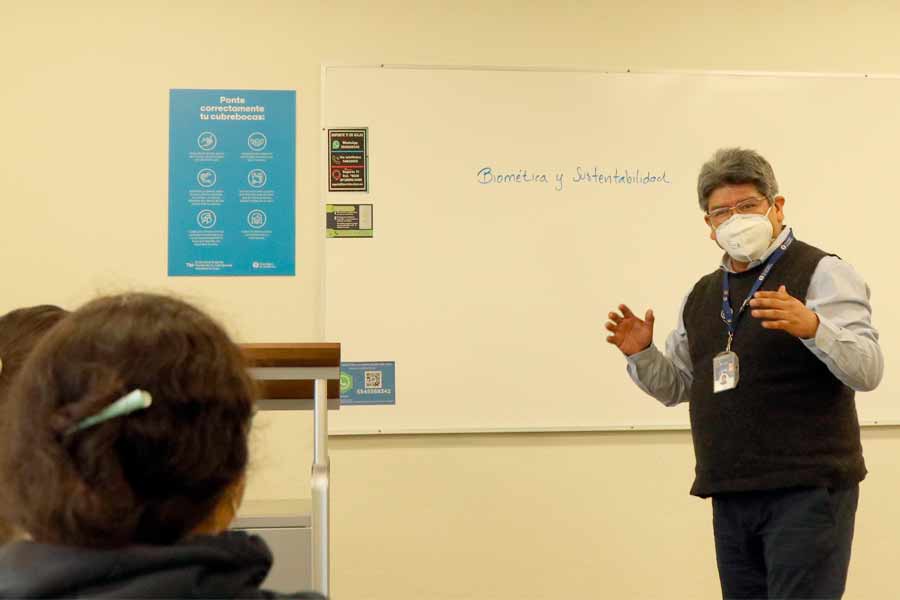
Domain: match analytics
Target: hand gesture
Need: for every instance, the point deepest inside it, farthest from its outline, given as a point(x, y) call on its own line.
point(780, 310)
point(629, 333)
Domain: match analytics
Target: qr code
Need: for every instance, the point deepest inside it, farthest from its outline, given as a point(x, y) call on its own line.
point(373, 380)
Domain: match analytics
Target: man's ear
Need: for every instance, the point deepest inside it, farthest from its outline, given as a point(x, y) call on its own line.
point(778, 202)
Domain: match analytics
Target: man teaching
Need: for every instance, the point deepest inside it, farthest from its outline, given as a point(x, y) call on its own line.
point(769, 350)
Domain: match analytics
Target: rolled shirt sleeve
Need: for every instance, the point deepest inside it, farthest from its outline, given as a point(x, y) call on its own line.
point(845, 341)
point(667, 377)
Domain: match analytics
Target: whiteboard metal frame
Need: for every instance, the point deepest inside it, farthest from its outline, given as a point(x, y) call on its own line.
point(870, 424)
point(627, 71)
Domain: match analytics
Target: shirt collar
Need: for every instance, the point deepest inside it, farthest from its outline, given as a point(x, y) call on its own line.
point(726, 260)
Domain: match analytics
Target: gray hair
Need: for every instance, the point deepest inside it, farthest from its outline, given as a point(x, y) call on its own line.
point(735, 166)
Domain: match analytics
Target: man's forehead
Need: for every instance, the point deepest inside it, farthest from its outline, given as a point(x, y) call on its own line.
point(728, 195)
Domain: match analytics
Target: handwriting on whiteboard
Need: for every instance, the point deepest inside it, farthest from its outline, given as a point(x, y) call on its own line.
point(580, 176)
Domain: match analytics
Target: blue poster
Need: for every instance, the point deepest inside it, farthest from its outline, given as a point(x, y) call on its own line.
point(368, 383)
point(231, 182)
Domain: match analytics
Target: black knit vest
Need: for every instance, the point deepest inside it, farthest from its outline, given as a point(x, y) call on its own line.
point(789, 422)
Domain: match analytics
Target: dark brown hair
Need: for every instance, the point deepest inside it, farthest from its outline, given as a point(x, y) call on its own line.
point(20, 331)
point(147, 477)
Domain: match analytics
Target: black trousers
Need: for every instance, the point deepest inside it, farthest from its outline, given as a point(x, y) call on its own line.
point(789, 543)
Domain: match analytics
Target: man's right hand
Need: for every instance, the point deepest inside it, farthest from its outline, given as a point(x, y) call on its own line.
point(629, 333)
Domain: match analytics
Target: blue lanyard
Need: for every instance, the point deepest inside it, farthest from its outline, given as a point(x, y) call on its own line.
point(727, 313)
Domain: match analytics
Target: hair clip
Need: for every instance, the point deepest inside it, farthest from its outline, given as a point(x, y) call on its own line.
point(129, 403)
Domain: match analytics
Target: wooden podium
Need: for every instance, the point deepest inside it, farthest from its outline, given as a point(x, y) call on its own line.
point(304, 377)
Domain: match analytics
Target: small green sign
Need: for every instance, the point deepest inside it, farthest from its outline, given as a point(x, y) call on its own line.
point(349, 221)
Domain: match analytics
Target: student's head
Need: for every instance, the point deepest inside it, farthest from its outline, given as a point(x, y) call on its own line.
point(152, 476)
point(20, 331)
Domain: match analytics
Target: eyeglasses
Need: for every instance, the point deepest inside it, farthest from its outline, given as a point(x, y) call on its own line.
point(744, 207)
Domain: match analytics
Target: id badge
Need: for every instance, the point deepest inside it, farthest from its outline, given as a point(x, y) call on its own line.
point(726, 371)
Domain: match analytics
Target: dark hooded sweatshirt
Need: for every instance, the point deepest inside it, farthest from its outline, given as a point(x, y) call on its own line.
point(229, 565)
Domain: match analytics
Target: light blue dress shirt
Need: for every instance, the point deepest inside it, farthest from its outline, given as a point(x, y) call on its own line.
point(845, 340)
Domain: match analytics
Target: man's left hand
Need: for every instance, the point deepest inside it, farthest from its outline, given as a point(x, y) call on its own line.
point(780, 310)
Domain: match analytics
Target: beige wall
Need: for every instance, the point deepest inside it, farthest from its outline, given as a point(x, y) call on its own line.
point(83, 101)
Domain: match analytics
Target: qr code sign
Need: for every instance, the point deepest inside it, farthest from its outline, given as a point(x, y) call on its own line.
point(373, 380)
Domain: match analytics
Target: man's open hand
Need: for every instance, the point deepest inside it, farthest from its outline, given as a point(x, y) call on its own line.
point(629, 333)
point(780, 310)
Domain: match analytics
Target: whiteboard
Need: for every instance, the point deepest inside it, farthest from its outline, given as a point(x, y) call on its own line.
point(490, 290)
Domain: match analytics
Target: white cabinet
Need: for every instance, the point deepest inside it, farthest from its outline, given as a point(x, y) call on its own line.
point(286, 526)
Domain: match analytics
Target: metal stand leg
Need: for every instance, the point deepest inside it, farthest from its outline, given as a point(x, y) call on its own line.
point(321, 475)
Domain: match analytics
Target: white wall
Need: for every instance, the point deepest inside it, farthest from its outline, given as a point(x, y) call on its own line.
point(83, 196)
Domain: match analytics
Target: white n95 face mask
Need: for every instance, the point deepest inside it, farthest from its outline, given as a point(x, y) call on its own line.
point(745, 237)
